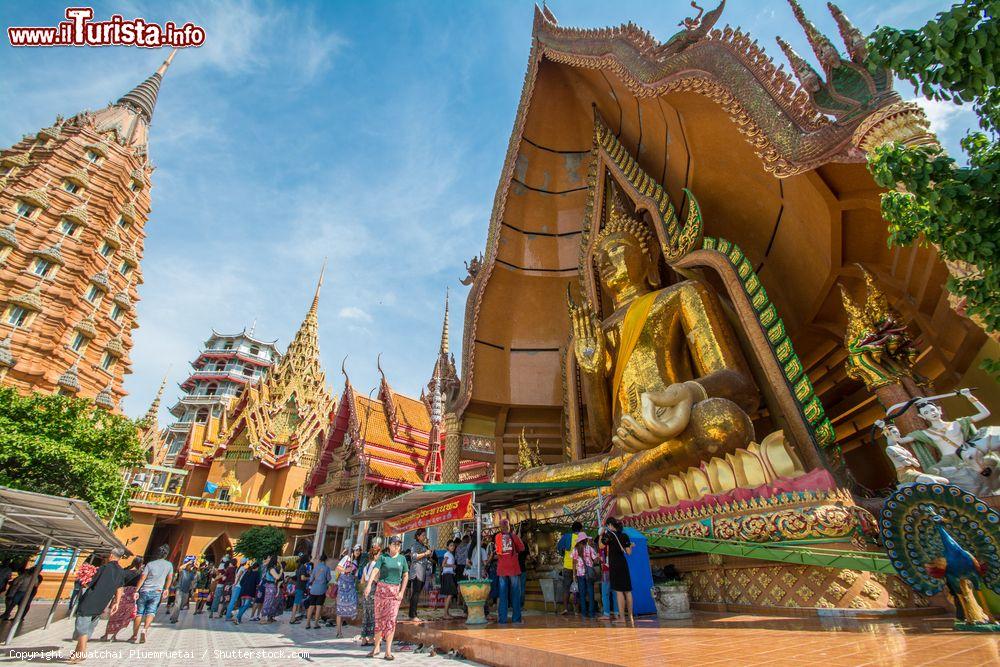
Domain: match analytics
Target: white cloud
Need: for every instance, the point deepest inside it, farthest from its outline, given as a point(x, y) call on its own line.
point(244, 36)
point(940, 113)
point(354, 313)
point(950, 122)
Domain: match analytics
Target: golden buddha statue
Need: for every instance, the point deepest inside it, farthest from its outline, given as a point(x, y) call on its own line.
point(665, 383)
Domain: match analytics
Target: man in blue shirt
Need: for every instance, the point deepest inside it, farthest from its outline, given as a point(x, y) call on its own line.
point(319, 581)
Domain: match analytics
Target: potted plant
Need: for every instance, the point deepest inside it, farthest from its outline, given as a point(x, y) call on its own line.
point(670, 594)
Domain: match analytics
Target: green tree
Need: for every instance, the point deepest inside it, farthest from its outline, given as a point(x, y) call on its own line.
point(67, 447)
point(932, 199)
point(260, 542)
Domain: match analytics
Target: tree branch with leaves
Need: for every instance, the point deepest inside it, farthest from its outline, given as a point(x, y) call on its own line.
point(931, 199)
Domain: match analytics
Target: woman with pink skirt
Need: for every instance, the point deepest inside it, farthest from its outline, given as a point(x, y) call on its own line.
point(392, 574)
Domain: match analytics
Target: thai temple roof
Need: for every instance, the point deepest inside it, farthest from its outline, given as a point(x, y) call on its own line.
point(390, 459)
point(112, 237)
point(70, 379)
point(32, 299)
point(53, 253)
point(106, 397)
point(51, 132)
point(87, 327)
point(78, 213)
point(245, 334)
point(79, 175)
point(16, 159)
point(393, 431)
point(36, 197)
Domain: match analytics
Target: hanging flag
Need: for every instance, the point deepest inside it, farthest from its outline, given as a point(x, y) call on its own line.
point(211, 488)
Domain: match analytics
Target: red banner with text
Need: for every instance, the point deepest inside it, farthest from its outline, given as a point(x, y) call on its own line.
point(457, 508)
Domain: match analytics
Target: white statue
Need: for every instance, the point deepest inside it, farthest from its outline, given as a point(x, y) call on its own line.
point(907, 466)
point(968, 455)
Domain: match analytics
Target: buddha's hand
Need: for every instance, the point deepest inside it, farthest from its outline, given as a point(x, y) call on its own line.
point(663, 415)
point(588, 340)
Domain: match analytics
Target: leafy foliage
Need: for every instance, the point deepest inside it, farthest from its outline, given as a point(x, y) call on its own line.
point(260, 542)
point(952, 57)
point(67, 447)
point(932, 200)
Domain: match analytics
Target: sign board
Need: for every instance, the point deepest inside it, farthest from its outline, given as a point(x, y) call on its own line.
point(456, 508)
point(58, 560)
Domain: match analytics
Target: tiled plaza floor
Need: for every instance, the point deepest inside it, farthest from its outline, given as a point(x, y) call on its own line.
point(718, 640)
point(198, 640)
point(547, 641)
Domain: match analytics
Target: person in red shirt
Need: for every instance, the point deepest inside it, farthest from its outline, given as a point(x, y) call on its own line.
point(508, 545)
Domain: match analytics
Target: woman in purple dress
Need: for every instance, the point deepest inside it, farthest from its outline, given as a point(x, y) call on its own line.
point(272, 579)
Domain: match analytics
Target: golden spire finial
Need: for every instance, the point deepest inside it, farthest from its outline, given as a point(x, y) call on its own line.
point(378, 365)
point(445, 326)
point(162, 69)
point(154, 407)
point(319, 285)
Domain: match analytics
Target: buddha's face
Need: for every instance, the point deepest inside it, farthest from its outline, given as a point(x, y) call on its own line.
point(621, 263)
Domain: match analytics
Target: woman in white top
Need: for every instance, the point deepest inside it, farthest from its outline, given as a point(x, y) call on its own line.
point(449, 587)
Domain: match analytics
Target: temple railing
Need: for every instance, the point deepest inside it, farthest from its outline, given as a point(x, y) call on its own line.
point(183, 502)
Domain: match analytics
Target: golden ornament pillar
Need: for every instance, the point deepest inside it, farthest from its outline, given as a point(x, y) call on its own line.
point(452, 448)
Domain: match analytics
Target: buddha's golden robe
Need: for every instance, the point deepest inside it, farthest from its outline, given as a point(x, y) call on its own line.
point(673, 335)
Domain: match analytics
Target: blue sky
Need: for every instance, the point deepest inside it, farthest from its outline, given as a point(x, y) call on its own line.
point(371, 133)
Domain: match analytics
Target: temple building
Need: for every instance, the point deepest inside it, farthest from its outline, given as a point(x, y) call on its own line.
point(380, 447)
point(226, 365)
point(74, 202)
point(659, 302)
point(248, 466)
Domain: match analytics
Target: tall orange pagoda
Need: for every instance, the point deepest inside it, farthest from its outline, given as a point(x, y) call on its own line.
point(74, 201)
point(247, 464)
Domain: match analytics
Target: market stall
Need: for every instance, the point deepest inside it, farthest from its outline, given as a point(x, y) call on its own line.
point(40, 523)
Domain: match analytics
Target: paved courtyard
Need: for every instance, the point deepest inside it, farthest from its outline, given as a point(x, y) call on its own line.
point(544, 640)
point(198, 640)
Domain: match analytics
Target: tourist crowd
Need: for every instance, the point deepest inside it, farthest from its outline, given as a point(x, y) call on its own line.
point(362, 588)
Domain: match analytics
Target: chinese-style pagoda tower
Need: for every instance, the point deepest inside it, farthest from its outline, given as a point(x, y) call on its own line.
point(224, 367)
point(74, 201)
